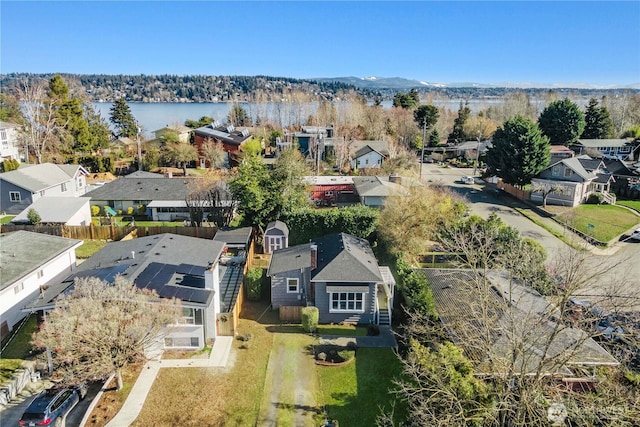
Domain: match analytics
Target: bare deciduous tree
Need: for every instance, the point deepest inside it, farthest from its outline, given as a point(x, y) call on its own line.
point(99, 328)
point(209, 197)
point(214, 153)
point(39, 132)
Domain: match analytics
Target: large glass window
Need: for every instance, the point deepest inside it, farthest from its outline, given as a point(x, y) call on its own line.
point(14, 196)
point(347, 301)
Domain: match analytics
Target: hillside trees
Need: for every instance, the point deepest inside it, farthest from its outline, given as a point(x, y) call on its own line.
point(407, 100)
point(519, 151)
point(99, 328)
point(562, 122)
point(598, 123)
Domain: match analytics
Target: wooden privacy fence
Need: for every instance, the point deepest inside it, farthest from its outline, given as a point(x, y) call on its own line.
point(109, 232)
point(515, 191)
point(291, 314)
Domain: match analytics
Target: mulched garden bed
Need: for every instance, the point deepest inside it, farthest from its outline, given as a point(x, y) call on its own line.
point(333, 355)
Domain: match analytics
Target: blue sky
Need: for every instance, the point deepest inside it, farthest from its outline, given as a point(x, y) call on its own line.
point(544, 42)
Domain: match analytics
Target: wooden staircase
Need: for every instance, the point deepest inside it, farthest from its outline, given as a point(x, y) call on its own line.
point(383, 317)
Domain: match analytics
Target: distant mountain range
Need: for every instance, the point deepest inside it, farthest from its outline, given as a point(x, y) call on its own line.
point(404, 84)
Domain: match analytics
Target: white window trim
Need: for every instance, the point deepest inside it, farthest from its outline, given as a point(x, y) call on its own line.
point(297, 291)
point(337, 310)
point(13, 198)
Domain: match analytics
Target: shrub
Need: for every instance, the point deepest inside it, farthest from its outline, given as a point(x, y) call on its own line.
point(34, 217)
point(95, 210)
point(10, 165)
point(595, 199)
point(253, 282)
point(130, 210)
point(142, 209)
point(310, 316)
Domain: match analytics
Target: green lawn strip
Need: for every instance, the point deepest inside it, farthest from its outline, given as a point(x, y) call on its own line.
point(633, 204)
point(90, 247)
point(6, 219)
point(7, 367)
point(602, 222)
point(19, 345)
point(354, 393)
point(286, 398)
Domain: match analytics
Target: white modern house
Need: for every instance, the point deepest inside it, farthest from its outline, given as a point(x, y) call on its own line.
point(29, 262)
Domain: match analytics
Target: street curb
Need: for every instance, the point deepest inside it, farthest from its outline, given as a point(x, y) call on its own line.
point(95, 401)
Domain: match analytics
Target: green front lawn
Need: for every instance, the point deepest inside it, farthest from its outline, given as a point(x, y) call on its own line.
point(633, 204)
point(349, 331)
point(602, 222)
point(354, 393)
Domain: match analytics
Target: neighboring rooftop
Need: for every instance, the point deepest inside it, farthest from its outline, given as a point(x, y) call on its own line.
point(493, 318)
point(23, 252)
point(597, 143)
point(171, 264)
point(234, 237)
point(147, 188)
point(40, 177)
point(228, 134)
point(53, 209)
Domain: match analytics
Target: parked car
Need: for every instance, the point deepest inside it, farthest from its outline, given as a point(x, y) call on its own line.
point(635, 235)
point(51, 406)
point(467, 180)
point(428, 160)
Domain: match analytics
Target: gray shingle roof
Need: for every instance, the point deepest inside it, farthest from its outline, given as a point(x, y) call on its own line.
point(169, 263)
point(23, 252)
point(360, 148)
point(345, 258)
point(375, 186)
point(35, 178)
point(488, 319)
point(54, 209)
point(160, 188)
point(595, 143)
point(289, 259)
point(574, 164)
point(235, 237)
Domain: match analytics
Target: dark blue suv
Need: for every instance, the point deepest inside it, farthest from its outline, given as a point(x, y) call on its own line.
point(51, 406)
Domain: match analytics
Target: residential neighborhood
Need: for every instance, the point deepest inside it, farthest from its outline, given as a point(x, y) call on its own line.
point(319, 254)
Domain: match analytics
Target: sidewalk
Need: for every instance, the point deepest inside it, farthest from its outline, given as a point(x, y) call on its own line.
point(133, 405)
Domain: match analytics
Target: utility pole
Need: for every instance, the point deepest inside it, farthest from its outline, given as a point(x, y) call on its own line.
point(424, 137)
point(475, 164)
point(139, 148)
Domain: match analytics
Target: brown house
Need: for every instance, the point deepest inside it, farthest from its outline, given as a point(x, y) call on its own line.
point(230, 138)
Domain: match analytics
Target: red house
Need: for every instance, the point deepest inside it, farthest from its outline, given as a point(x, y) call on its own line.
point(230, 138)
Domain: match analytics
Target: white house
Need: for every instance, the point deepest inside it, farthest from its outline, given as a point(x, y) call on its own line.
point(29, 263)
point(9, 141)
point(368, 154)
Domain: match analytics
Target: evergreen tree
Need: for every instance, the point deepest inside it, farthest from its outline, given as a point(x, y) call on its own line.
point(123, 120)
point(434, 138)
point(519, 151)
point(457, 135)
point(562, 121)
point(598, 123)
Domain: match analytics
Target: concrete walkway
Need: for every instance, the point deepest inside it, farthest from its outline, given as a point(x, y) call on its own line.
point(386, 339)
point(133, 405)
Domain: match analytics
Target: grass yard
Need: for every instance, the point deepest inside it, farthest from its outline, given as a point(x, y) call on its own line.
point(19, 346)
point(354, 393)
point(89, 247)
point(633, 204)
point(6, 219)
point(602, 222)
point(346, 330)
point(7, 367)
point(228, 396)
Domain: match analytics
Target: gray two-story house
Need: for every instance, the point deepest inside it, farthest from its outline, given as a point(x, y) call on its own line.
point(338, 274)
point(21, 187)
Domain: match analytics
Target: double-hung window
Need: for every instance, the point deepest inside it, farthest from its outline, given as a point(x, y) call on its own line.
point(14, 196)
point(293, 286)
